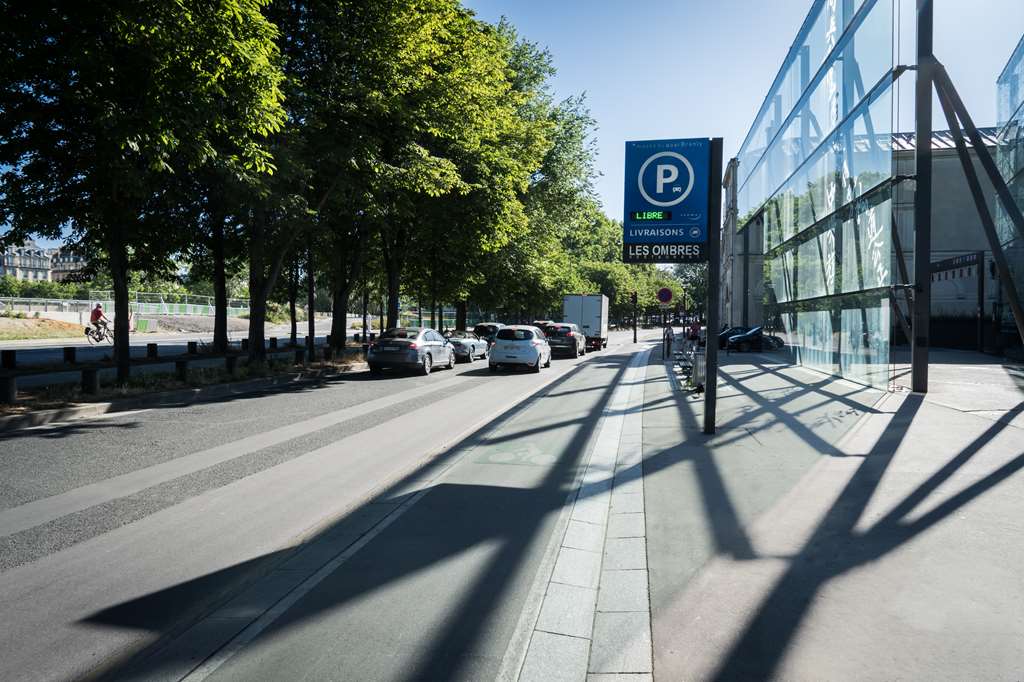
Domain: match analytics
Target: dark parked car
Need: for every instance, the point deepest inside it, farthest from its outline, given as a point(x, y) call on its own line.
point(468, 346)
point(566, 338)
point(747, 341)
point(728, 333)
point(410, 348)
point(487, 330)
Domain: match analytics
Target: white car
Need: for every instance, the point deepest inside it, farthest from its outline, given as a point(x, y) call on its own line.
point(520, 344)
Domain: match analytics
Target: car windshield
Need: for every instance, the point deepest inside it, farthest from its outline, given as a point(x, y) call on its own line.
point(484, 329)
point(558, 331)
point(515, 334)
point(400, 333)
point(458, 335)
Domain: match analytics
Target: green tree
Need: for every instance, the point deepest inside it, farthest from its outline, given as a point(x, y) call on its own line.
point(99, 102)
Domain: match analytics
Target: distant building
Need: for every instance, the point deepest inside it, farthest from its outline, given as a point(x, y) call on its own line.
point(65, 264)
point(34, 263)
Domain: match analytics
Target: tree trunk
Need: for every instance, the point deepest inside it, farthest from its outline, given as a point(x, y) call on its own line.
point(220, 288)
point(461, 315)
point(366, 318)
point(394, 282)
point(433, 312)
point(310, 305)
point(119, 275)
point(339, 313)
point(293, 295)
point(257, 281)
point(380, 315)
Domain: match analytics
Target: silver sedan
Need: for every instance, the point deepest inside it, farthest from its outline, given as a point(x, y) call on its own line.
point(468, 346)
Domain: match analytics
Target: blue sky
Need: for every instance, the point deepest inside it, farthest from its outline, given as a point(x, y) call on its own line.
point(700, 68)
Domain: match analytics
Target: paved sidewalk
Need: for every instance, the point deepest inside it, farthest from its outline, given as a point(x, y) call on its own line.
point(834, 532)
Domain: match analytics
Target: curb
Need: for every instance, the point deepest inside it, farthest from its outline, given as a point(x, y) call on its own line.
point(183, 396)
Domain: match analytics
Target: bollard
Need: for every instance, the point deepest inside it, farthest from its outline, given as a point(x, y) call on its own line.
point(69, 355)
point(300, 356)
point(152, 353)
point(8, 390)
point(193, 347)
point(245, 345)
point(8, 359)
point(181, 370)
point(231, 363)
point(90, 381)
point(273, 343)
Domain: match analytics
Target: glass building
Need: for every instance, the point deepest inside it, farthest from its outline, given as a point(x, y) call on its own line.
point(1010, 158)
point(816, 170)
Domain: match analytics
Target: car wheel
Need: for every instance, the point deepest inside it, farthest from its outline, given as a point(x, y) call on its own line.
point(548, 363)
point(375, 370)
point(451, 359)
point(536, 366)
point(493, 368)
point(427, 363)
point(469, 356)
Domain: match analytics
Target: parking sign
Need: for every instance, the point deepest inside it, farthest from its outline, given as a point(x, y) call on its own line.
point(666, 201)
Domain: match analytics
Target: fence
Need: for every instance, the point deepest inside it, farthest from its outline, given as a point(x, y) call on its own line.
point(193, 306)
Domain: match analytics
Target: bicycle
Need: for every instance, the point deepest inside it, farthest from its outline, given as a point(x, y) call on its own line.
point(103, 333)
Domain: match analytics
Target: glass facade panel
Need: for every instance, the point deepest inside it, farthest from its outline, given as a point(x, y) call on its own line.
point(818, 160)
point(1010, 158)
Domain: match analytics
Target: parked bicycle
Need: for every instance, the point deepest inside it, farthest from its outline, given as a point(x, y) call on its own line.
point(99, 334)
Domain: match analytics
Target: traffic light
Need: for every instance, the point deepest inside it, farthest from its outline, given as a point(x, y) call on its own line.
point(633, 298)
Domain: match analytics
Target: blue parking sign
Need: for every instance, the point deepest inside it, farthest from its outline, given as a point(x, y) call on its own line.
point(666, 201)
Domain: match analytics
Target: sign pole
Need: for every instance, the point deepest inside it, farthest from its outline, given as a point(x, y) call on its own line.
point(714, 237)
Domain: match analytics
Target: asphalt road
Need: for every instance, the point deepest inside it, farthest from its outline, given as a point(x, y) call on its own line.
point(116, 532)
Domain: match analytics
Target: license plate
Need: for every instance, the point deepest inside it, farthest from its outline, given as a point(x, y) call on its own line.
point(508, 347)
point(389, 348)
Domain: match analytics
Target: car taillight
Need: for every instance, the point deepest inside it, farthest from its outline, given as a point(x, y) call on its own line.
point(413, 346)
point(536, 342)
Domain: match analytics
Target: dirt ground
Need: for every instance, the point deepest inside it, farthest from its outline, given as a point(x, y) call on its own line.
point(196, 324)
point(12, 328)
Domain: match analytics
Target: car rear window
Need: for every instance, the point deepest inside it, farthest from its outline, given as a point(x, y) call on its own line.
point(515, 334)
point(400, 333)
point(558, 331)
point(484, 329)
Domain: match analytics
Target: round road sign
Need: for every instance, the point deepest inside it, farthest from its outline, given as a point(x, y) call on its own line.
point(665, 295)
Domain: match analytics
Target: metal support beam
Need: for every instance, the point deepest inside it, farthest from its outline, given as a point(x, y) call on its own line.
point(714, 268)
point(987, 223)
point(923, 200)
point(944, 85)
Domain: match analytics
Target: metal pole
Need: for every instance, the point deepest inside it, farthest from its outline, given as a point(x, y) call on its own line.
point(922, 201)
point(745, 319)
point(714, 236)
point(981, 301)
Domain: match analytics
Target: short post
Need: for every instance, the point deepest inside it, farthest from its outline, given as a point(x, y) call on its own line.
point(8, 390)
point(193, 347)
point(245, 345)
point(300, 356)
point(69, 355)
point(231, 364)
point(8, 359)
point(328, 353)
point(90, 381)
point(273, 343)
point(181, 370)
point(151, 351)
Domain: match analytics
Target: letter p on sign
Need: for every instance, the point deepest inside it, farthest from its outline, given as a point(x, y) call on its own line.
point(664, 174)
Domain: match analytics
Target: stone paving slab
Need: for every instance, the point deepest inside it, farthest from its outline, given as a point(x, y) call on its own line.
point(622, 643)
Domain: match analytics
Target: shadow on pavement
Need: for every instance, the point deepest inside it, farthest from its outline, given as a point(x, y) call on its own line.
point(449, 519)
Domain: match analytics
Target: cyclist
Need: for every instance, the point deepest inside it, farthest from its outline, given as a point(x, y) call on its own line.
point(98, 320)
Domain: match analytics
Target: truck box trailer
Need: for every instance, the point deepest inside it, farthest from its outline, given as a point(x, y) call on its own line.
point(589, 312)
